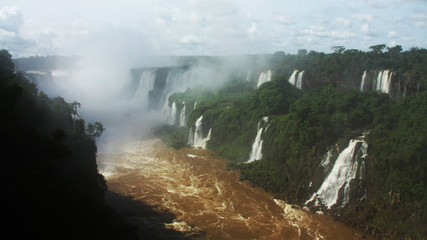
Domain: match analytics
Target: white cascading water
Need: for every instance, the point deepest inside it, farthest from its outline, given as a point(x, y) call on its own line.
point(182, 116)
point(293, 78)
point(45, 81)
point(179, 80)
point(264, 77)
point(256, 152)
point(191, 137)
point(344, 170)
point(172, 114)
point(299, 80)
point(296, 78)
point(198, 141)
point(146, 84)
point(383, 82)
point(362, 84)
point(326, 160)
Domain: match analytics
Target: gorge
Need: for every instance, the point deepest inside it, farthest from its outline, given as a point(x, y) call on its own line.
point(344, 139)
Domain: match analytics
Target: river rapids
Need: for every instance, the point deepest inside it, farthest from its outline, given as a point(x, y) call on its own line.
point(207, 199)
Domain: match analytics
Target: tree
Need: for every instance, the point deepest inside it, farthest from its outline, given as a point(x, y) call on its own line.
point(394, 51)
point(378, 48)
point(302, 52)
point(338, 49)
point(6, 65)
point(95, 130)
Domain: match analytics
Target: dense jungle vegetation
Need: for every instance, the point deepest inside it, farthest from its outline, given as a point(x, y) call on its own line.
point(304, 124)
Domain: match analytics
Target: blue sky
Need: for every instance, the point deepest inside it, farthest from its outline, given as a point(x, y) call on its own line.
point(207, 27)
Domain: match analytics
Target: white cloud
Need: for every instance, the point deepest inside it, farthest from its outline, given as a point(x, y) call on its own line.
point(419, 20)
point(320, 32)
point(252, 28)
point(10, 23)
point(377, 4)
point(366, 29)
point(320, 19)
point(186, 39)
point(284, 19)
point(339, 21)
point(10, 18)
point(203, 27)
point(363, 17)
point(392, 34)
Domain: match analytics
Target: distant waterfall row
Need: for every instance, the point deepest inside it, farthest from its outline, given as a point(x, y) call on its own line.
point(46, 81)
point(177, 113)
point(376, 81)
point(296, 78)
point(256, 152)
point(349, 166)
point(156, 85)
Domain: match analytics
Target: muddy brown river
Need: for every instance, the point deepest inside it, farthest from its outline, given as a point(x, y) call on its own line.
point(195, 186)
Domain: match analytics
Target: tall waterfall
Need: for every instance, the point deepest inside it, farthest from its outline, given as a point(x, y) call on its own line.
point(191, 137)
point(146, 84)
point(182, 116)
point(299, 80)
point(256, 152)
point(296, 78)
point(335, 189)
point(172, 114)
point(264, 77)
point(362, 84)
point(197, 140)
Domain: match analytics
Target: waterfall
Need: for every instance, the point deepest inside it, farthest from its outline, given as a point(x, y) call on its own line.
point(296, 78)
point(182, 116)
point(146, 83)
point(166, 109)
point(195, 104)
point(191, 137)
point(45, 81)
point(198, 140)
point(383, 81)
point(337, 183)
point(299, 80)
point(362, 84)
point(293, 78)
point(172, 114)
point(256, 152)
point(264, 77)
